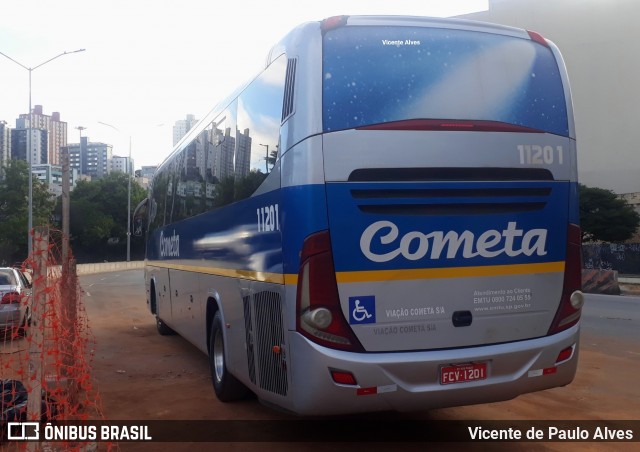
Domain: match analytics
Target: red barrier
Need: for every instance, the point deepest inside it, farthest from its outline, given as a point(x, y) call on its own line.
point(45, 366)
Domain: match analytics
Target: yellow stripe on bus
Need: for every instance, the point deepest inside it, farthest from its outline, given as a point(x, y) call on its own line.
point(438, 273)
point(377, 275)
point(450, 272)
point(275, 278)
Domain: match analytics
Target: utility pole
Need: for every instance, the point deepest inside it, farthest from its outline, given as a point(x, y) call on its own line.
point(266, 159)
point(29, 153)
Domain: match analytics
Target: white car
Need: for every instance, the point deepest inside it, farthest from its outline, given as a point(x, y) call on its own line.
point(15, 290)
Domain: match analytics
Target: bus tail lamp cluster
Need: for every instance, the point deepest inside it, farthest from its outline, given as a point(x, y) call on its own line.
point(319, 315)
point(572, 298)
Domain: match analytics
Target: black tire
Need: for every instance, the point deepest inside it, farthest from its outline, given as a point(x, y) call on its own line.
point(163, 328)
point(227, 387)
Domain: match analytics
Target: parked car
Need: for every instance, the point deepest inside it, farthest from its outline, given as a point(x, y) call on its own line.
point(15, 291)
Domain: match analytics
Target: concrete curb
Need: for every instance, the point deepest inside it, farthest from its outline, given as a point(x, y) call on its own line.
point(87, 269)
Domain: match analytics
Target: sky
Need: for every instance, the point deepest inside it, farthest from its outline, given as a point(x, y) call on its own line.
point(148, 64)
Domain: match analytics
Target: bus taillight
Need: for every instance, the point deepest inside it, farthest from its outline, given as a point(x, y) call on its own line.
point(319, 315)
point(537, 37)
point(572, 300)
point(333, 22)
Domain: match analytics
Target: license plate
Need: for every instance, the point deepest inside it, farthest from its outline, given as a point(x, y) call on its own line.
point(463, 373)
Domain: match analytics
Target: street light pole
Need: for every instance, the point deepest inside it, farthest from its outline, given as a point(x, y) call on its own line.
point(266, 159)
point(29, 151)
point(30, 163)
point(129, 171)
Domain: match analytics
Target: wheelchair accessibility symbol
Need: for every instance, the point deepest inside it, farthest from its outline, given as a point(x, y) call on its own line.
point(362, 309)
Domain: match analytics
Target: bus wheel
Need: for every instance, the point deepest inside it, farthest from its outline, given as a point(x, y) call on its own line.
point(162, 327)
point(226, 386)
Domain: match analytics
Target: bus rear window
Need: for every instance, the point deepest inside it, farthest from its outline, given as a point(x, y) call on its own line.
point(374, 75)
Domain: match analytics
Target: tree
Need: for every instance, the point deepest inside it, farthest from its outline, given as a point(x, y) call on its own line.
point(245, 186)
point(273, 156)
point(98, 218)
point(224, 192)
point(14, 210)
point(605, 217)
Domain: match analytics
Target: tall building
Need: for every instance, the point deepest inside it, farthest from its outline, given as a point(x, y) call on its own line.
point(90, 159)
point(38, 145)
point(5, 143)
point(122, 165)
point(56, 131)
point(51, 175)
point(182, 126)
point(243, 154)
point(148, 171)
point(223, 153)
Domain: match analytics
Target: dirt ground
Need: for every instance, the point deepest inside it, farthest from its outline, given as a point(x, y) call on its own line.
point(141, 375)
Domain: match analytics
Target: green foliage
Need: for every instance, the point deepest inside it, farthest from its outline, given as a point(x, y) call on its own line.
point(98, 218)
point(224, 193)
point(231, 189)
point(245, 186)
point(605, 217)
point(14, 210)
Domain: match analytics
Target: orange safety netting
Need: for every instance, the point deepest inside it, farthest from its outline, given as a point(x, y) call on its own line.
point(48, 359)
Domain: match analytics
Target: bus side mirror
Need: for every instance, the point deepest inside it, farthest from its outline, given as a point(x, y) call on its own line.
point(139, 215)
point(138, 229)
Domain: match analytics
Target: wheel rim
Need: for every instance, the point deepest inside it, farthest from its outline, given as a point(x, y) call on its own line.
point(218, 356)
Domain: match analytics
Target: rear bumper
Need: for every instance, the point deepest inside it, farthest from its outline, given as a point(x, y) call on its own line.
point(10, 317)
point(409, 381)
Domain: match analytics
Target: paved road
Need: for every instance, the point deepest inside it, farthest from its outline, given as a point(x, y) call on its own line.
point(142, 375)
point(612, 316)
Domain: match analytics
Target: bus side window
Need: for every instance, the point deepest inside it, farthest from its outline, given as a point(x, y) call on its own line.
point(172, 207)
point(159, 196)
point(220, 171)
point(192, 177)
point(258, 128)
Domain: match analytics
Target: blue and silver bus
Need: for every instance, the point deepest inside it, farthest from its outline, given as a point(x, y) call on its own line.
point(384, 218)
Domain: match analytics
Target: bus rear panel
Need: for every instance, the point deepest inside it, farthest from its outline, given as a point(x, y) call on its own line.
point(452, 224)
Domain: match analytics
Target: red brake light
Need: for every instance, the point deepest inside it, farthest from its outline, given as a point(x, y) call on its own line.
point(537, 37)
point(568, 315)
point(319, 314)
point(333, 22)
point(565, 354)
point(343, 378)
point(11, 298)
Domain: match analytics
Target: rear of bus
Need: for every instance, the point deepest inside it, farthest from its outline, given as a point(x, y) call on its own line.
point(449, 270)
